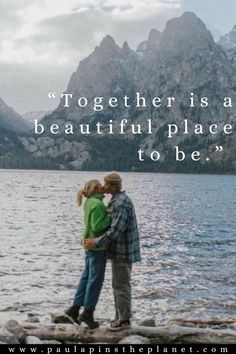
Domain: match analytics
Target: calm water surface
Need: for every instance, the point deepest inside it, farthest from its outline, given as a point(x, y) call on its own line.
point(188, 236)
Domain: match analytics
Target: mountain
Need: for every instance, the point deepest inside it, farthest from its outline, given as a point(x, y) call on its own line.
point(108, 71)
point(151, 43)
point(14, 155)
point(13, 128)
point(228, 41)
point(11, 120)
point(180, 60)
point(186, 60)
point(29, 117)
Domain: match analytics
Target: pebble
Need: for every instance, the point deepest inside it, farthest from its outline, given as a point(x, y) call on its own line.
point(133, 339)
point(7, 337)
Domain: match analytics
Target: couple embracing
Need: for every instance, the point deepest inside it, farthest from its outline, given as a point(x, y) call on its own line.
point(109, 232)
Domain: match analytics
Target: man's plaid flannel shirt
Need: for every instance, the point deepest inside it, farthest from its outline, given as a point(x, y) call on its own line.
point(122, 236)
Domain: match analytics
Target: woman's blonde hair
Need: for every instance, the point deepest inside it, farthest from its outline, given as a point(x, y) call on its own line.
point(87, 191)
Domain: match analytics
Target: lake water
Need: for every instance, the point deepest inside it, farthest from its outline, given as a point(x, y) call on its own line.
point(188, 240)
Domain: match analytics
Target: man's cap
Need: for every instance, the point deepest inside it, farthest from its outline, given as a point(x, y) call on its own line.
point(113, 178)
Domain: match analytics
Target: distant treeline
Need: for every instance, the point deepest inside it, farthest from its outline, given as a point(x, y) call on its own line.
point(108, 153)
point(126, 165)
point(27, 163)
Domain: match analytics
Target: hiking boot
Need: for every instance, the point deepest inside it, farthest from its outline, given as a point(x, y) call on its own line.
point(87, 317)
point(73, 313)
point(118, 325)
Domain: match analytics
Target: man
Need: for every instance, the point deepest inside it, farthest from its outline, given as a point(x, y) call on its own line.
point(123, 247)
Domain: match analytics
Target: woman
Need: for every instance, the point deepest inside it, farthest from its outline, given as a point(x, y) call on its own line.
point(96, 220)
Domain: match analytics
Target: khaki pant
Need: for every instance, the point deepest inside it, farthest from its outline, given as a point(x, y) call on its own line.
point(121, 277)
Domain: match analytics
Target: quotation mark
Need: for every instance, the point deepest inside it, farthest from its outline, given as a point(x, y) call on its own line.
point(218, 148)
point(52, 94)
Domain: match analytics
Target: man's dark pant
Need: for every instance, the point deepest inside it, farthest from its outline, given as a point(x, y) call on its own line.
point(90, 285)
point(121, 277)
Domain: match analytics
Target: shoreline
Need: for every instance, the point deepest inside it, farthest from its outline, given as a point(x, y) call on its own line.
point(180, 331)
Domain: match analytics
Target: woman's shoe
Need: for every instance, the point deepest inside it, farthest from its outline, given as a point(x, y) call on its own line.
point(73, 313)
point(87, 317)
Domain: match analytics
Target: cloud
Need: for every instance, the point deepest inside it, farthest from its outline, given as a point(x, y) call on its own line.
point(30, 26)
point(9, 19)
point(43, 41)
point(73, 36)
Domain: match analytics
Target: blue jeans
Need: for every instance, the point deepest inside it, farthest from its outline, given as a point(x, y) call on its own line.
point(90, 285)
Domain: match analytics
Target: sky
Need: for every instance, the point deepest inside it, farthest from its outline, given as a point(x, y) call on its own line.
point(42, 41)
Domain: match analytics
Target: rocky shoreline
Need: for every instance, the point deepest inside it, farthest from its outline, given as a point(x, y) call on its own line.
point(62, 331)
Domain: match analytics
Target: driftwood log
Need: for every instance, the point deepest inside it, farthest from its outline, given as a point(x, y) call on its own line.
point(157, 335)
point(214, 322)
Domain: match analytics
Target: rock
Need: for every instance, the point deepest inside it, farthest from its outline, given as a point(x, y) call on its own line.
point(7, 337)
point(161, 334)
point(149, 322)
point(32, 318)
point(60, 318)
point(15, 328)
point(134, 339)
point(50, 342)
point(37, 318)
point(33, 340)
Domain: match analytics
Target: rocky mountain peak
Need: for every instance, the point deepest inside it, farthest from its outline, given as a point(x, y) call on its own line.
point(125, 48)
point(228, 41)
point(107, 42)
point(151, 43)
point(189, 16)
point(142, 47)
point(106, 71)
point(107, 48)
point(154, 36)
point(185, 32)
